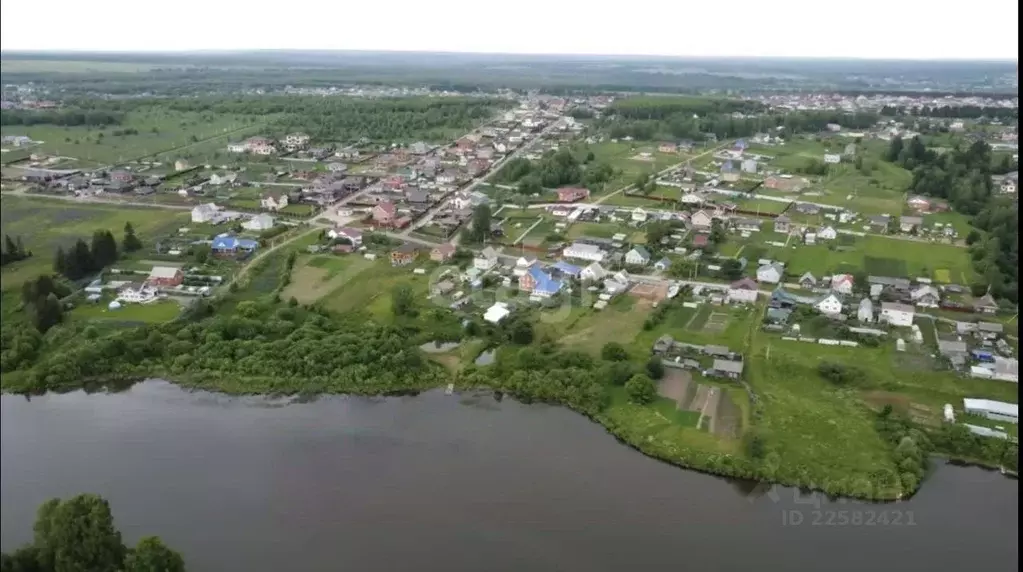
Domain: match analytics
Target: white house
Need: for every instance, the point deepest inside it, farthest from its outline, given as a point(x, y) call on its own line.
point(743, 291)
point(865, 313)
point(830, 305)
point(827, 233)
point(274, 202)
point(137, 293)
point(352, 235)
point(582, 251)
point(997, 410)
point(523, 264)
point(638, 256)
point(701, 219)
point(810, 238)
point(486, 259)
point(770, 273)
point(235, 148)
point(749, 166)
point(897, 314)
point(259, 222)
point(296, 139)
point(926, 296)
point(593, 273)
point(496, 313)
point(639, 215)
point(204, 213)
point(842, 283)
point(691, 199)
point(223, 179)
point(832, 158)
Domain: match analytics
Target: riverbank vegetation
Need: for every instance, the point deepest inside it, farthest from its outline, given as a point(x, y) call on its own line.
point(78, 535)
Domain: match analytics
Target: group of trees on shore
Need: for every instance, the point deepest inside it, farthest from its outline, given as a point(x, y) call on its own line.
point(962, 176)
point(83, 259)
point(78, 535)
point(13, 250)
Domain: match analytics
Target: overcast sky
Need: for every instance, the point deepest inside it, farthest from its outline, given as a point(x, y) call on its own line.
point(982, 29)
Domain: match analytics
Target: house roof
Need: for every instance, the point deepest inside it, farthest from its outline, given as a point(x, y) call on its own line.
point(782, 218)
point(700, 240)
point(987, 300)
point(716, 350)
point(233, 243)
point(839, 279)
point(777, 267)
point(488, 253)
point(866, 304)
point(567, 268)
point(446, 248)
point(163, 272)
point(896, 307)
point(387, 206)
point(808, 276)
point(350, 232)
point(664, 262)
point(889, 281)
point(999, 407)
point(946, 347)
point(543, 281)
point(583, 247)
point(643, 252)
point(990, 327)
point(596, 270)
point(727, 366)
point(744, 284)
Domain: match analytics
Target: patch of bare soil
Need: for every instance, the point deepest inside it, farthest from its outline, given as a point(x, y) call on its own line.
point(728, 418)
point(677, 385)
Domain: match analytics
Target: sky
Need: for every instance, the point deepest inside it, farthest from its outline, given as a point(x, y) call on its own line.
point(875, 29)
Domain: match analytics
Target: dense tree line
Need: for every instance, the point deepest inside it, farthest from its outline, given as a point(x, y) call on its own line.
point(13, 250)
point(963, 178)
point(686, 125)
point(83, 259)
point(40, 299)
point(555, 169)
point(953, 112)
point(662, 108)
point(62, 117)
point(78, 535)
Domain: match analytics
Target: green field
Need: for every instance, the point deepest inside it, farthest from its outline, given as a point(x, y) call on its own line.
point(763, 206)
point(45, 225)
point(159, 130)
point(880, 255)
point(624, 157)
point(155, 312)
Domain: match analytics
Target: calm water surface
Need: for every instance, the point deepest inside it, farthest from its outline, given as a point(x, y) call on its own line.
point(450, 483)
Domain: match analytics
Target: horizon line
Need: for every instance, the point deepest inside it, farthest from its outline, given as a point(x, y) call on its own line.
point(227, 51)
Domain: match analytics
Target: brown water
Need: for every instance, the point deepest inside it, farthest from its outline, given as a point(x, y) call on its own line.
point(445, 483)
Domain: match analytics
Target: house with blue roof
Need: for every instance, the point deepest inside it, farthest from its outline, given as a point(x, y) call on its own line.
point(567, 269)
point(232, 246)
point(539, 283)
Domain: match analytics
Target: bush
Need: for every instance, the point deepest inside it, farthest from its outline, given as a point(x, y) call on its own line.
point(839, 374)
point(655, 368)
point(613, 351)
point(641, 389)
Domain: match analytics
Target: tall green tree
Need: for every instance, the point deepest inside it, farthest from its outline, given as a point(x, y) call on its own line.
point(641, 389)
point(103, 250)
point(403, 300)
point(479, 227)
point(47, 313)
point(152, 555)
point(78, 535)
point(130, 243)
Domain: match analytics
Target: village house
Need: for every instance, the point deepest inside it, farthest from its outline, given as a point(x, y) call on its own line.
point(223, 178)
point(701, 220)
point(205, 213)
point(593, 273)
point(539, 283)
point(994, 410)
point(639, 215)
point(807, 281)
point(897, 314)
point(583, 251)
point(842, 283)
point(136, 293)
point(729, 173)
point(770, 273)
point(572, 194)
point(918, 203)
point(832, 158)
point(352, 235)
point(485, 259)
point(404, 255)
point(879, 223)
point(662, 264)
point(926, 296)
point(986, 304)
point(638, 256)
point(296, 140)
point(807, 208)
point(274, 202)
point(259, 223)
point(749, 166)
point(865, 311)
point(909, 224)
point(744, 291)
point(1009, 183)
point(830, 305)
point(121, 176)
point(165, 277)
point(497, 312)
point(384, 213)
point(726, 368)
point(827, 233)
point(227, 246)
point(523, 264)
point(442, 252)
point(747, 225)
point(782, 224)
point(667, 148)
point(700, 240)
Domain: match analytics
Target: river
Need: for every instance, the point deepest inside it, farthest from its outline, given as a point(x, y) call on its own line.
point(452, 483)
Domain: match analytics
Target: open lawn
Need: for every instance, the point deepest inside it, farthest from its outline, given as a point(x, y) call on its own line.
point(882, 256)
point(762, 206)
point(44, 225)
point(369, 287)
point(625, 157)
point(588, 330)
point(155, 312)
point(315, 276)
point(152, 131)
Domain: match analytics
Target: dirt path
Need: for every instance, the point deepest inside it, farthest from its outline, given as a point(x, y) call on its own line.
point(663, 171)
point(252, 263)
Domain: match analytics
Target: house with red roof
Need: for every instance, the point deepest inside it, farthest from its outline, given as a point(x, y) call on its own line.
point(384, 213)
point(572, 194)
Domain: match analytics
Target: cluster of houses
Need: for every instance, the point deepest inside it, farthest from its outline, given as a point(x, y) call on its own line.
point(148, 290)
point(710, 360)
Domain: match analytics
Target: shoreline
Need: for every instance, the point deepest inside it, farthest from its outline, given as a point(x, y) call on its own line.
point(190, 383)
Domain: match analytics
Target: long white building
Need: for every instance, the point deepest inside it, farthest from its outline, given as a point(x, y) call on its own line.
point(997, 410)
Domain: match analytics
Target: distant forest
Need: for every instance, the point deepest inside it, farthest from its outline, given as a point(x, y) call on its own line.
point(191, 73)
